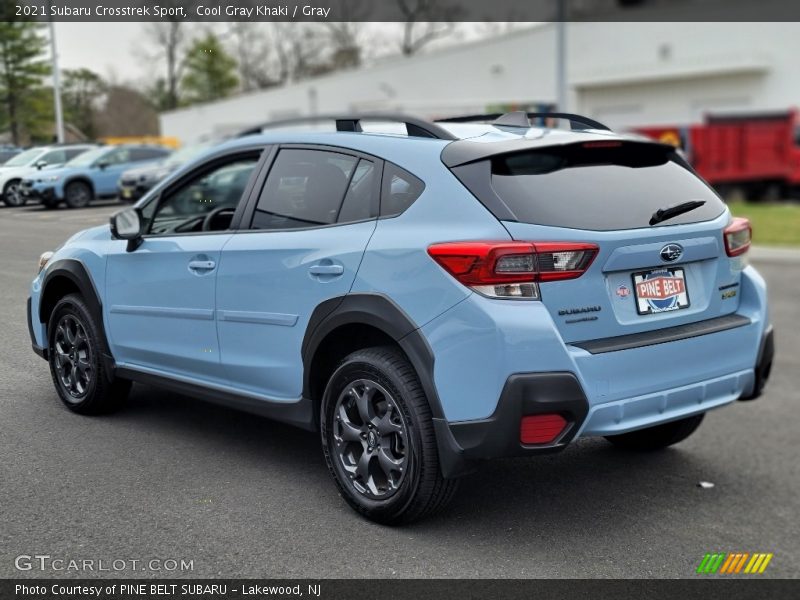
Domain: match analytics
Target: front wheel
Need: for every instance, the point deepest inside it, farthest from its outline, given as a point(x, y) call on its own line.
point(76, 363)
point(11, 194)
point(378, 438)
point(658, 437)
point(78, 194)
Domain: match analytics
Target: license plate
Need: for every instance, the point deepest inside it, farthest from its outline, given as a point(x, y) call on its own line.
point(660, 290)
point(126, 193)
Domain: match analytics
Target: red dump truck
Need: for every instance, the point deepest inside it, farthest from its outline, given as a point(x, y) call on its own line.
point(755, 156)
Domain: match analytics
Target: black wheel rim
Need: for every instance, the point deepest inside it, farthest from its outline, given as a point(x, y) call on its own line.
point(78, 194)
point(370, 440)
point(72, 357)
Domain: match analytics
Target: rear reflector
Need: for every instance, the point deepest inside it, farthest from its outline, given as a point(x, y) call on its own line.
point(541, 429)
point(512, 269)
point(737, 236)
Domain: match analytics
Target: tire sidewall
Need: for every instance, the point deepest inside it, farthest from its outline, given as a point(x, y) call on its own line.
point(70, 305)
point(362, 368)
point(77, 184)
point(20, 200)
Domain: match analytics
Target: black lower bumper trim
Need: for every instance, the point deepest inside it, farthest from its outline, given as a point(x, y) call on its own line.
point(462, 443)
point(36, 348)
point(662, 336)
point(766, 353)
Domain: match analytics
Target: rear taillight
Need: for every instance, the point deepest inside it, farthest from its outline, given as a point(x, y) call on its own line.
point(541, 429)
point(737, 236)
point(512, 269)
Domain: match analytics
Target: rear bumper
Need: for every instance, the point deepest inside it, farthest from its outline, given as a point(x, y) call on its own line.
point(507, 359)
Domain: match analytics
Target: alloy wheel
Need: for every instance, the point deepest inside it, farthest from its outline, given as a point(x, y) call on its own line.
point(370, 440)
point(73, 357)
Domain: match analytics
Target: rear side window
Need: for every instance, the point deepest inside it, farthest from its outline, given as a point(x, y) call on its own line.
point(400, 190)
point(598, 186)
point(359, 202)
point(305, 188)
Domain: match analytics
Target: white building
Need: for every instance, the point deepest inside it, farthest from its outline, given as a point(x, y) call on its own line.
point(623, 74)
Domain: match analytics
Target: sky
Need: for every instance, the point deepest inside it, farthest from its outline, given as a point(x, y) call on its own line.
point(118, 51)
point(110, 49)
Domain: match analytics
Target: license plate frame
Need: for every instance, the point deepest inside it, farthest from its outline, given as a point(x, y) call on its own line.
point(660, 278)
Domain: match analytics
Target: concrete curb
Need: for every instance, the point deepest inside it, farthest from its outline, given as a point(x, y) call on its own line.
point(774, 254)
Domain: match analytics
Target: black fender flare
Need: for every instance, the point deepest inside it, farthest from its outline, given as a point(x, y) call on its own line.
point(75, 271)
point(381, 312)
point(375, 310)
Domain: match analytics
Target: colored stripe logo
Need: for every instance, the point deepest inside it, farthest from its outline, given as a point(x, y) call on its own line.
point(731, 563)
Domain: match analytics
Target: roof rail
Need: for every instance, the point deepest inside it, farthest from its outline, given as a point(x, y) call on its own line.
point(522, 119)
point(414, 127)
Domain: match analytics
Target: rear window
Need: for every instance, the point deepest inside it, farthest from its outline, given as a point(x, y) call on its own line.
point(599, 185)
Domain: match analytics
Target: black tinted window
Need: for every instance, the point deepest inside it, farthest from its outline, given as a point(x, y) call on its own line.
point(73, 152)
point(359, 202)
point(55, 157)
point(599, 186)
point(138, 154)
point(399, 190)
point(304, 188)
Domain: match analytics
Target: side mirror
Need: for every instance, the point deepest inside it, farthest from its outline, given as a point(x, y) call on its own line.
point(40, 164)
point(103, 164)
point(127, 225)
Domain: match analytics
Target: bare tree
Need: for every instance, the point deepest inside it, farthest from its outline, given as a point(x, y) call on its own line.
point(345, 37)
point(252, 46)
point(424, 22)
point(169, 37)
point(299, 48)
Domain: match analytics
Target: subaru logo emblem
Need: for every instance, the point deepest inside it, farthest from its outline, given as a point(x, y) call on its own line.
point(671, 252)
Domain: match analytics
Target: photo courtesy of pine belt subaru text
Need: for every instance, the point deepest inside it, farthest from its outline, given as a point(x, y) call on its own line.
point(424, 295)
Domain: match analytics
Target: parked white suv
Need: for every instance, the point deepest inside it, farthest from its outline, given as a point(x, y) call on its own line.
point(40, 157)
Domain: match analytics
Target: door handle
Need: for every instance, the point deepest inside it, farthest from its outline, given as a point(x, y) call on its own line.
point(202, 265)
point(326, 269)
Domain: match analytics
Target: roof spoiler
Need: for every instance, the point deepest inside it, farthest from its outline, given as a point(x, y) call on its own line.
point(523, 119)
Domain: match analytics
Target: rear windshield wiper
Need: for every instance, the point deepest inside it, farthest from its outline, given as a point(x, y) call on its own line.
point(662, 214)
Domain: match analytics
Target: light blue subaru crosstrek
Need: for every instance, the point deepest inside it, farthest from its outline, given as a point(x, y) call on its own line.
point(464, 291)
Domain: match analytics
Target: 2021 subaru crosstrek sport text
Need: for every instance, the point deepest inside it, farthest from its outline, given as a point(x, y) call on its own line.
point(467, 291)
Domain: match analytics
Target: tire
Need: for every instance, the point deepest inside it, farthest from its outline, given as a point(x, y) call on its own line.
point(658, 437)
point(11, 195)
point(76, 365)
point(78, 194)
point(403, 481)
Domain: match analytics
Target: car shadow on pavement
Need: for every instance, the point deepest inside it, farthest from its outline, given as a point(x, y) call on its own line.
point(590, 486)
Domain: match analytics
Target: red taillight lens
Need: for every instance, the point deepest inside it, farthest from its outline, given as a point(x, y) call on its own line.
point(541, 429)
point(737, 236)
point(512, 269)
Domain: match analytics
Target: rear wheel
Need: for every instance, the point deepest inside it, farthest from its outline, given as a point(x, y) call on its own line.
point(11, 195)
point(76, 363)
point(78, 194)
point(378, 438)
point(658, 437)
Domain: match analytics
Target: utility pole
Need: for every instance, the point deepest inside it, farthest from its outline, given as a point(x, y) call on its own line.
point(56, 85)
point(561, 56)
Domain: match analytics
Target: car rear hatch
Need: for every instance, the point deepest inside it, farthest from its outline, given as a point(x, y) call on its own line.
point(643, 272)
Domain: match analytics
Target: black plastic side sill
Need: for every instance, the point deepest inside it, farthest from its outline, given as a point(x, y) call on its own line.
point(662, 336)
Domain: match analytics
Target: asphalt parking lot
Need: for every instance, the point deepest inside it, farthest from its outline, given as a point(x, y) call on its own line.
point(170, 477)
